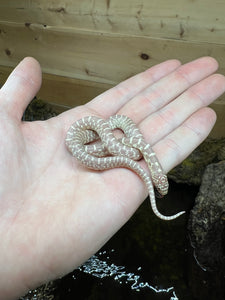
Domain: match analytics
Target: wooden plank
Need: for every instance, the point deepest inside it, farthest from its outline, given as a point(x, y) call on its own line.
point(219, 128)
point(202, 20)
point(63, 91)
point(104, 58)
point(69, 91)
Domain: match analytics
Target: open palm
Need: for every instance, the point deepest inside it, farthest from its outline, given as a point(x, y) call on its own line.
point(55, 213)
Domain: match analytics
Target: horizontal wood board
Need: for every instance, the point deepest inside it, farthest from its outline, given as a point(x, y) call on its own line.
point(191, 20)
point(87, 46)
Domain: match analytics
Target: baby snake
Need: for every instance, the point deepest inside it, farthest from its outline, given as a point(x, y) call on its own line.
point(109, 152)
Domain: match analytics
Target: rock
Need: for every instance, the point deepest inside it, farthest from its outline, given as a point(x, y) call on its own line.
point(207, 219)
point(207, 234)
point(38, 110)
point(191, 170)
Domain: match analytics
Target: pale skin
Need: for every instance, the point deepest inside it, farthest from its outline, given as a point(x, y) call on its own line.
point(55, 213)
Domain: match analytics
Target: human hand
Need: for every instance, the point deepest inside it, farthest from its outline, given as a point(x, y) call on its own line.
point(55, 213)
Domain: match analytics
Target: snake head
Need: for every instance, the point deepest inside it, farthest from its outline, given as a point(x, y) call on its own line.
point(161, 183)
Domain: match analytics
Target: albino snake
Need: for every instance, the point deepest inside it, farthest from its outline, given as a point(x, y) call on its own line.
point(109, 152)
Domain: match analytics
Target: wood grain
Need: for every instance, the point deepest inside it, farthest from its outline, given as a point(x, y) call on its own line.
point(202, 20)
point(88, 46)
point(105, 58)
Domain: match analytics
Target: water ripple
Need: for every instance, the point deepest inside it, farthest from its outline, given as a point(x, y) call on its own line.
point(101, 269)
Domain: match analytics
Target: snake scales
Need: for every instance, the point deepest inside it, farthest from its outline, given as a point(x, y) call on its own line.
point(109, 152)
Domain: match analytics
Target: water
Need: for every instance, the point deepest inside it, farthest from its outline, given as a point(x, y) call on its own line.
point(101, 268)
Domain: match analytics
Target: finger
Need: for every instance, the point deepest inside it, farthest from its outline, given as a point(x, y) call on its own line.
point(165, 120)
point(110, 102)
point(180, 143)
point(169, 87)
point(20, 87)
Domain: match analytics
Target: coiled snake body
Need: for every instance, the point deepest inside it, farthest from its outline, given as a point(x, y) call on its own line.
point(109, 152)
